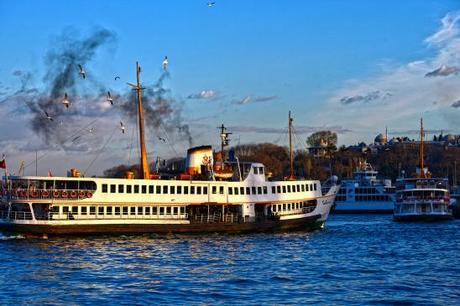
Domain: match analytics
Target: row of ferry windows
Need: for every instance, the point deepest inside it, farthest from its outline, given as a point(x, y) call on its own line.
point(275, 189)
point(122, 210)
point(156, 189)
point(294, 188)
point(289, 206)
point(342, 198)
point(359, 190)
point(204, 189)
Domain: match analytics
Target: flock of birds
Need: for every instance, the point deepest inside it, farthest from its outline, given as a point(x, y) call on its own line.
point(82, 74)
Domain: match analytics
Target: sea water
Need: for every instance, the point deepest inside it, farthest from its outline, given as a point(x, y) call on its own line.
point(356, 259)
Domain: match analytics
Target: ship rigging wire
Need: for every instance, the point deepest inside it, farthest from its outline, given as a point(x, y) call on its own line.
point(167, 139)
point(72, 136)
point(100, 150)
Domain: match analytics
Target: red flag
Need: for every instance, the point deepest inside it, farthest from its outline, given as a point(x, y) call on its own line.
point(3, 164)
point(50, 174)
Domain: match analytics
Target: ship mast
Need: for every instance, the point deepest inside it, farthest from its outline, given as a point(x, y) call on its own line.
point(144, 165)
point(422, 136)
point(291, 154)
point(223, 140)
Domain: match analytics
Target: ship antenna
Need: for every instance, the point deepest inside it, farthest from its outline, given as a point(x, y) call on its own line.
point(291, 154)
point(144, 165)
point(422, 136)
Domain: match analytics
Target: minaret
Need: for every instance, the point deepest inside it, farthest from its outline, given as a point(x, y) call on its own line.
point(422, 136)
point(291, 154)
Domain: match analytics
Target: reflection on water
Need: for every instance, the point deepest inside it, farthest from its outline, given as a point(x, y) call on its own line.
point(356, 259)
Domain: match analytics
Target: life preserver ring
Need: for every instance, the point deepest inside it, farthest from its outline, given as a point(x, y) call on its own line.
point(34, 194)
point(89, 194)
point(82, 194)
point(73, 194)
point(56, 194)
point(205, 160)
point(22, 194)
point(45, 193)
point(64, 194)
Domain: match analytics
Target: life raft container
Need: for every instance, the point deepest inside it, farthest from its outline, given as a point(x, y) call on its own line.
point(73, 194)
point(81, 194)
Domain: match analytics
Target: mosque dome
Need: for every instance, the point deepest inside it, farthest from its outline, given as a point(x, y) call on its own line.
point(380, 139)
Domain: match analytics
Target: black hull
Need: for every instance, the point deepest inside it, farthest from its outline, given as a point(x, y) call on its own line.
point(304, 224)
point(456, 212)
point(423, 218)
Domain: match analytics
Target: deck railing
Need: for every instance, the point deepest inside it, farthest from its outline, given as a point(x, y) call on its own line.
point(15, 215)
point(216, 218)
point(46, 194)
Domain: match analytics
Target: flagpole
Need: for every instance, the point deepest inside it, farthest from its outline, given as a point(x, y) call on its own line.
point(36, 163)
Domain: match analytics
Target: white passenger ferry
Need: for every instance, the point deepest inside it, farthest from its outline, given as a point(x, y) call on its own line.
point(365, 193)
point(422, 198)
point(204, 199)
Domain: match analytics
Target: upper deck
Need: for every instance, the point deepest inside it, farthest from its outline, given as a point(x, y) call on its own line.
point(410, 184)
point(255, 188)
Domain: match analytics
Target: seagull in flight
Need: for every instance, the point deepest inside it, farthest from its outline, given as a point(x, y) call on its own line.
point(117, 78)
point(122, 127)
point(109, 98)
point(165, 63)
point(48, 116)
point(66, 101)
point(211, 4)
point(82, 71)
point(162, 139)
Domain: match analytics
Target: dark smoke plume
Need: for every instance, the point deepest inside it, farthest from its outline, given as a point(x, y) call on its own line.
point(160, 110)
point(86, 95)
point(68, 51)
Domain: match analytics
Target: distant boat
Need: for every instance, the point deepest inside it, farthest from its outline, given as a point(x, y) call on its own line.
point(364, 193)
point(422, 198)
point(455, 206)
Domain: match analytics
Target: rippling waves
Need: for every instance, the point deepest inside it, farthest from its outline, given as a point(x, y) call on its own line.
point(355, 260)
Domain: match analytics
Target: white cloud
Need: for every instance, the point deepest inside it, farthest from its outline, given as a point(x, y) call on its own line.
point(252, 99)
point(369, 97)
point(412, 94)
point(204, 94)
point(449, 29)
point(443, 71)
point(298, 129)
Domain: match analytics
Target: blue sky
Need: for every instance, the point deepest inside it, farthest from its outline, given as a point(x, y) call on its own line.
point(309, 57)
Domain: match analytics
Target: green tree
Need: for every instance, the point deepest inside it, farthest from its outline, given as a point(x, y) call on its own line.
point(325, 139)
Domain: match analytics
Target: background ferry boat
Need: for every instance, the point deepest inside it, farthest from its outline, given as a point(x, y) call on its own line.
point(210, 196)
point(422, 198)
point(364, 193)
point(455, 204)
